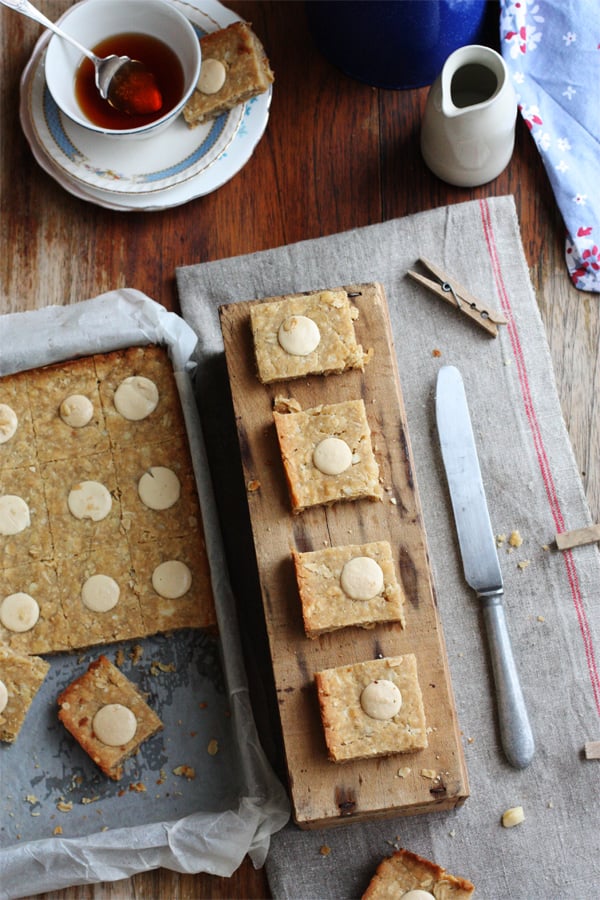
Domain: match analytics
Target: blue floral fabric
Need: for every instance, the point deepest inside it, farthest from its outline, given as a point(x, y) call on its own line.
point(552, 50)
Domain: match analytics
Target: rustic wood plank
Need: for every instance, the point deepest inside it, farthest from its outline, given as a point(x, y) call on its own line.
point(324, 793)
point(592, 750)
point(578, 537)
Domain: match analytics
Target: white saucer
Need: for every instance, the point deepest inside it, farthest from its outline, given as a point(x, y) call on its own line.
point(179, 165)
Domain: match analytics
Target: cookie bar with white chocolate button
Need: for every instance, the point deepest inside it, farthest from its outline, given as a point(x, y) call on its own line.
point(327, 454)
point(32, 617)
point(173, 584)
point(107, 716)
point(373, 708)
point(158, 491)
point(21, 677)
point(17, 445)
point(234, 69)
point(83, 503)
point(407, 875)
point(305, 334)
point(139, 396)
point(68, 419)
point(350, 585)
point(98, 597)
point(24, 528)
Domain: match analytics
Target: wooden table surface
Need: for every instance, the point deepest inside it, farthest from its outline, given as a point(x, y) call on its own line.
point(337, 154)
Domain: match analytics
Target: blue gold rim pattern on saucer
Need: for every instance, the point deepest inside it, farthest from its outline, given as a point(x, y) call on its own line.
point(173, 156)
point(220, 134)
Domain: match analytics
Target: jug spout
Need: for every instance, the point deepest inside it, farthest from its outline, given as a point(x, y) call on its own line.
point(472, 78)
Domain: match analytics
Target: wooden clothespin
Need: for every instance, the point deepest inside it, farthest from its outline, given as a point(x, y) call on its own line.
point(452, 292)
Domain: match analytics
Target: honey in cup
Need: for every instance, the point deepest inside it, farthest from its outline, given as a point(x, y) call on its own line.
point(159, 60)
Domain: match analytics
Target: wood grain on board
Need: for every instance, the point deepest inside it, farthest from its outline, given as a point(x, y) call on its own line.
point(325, 793)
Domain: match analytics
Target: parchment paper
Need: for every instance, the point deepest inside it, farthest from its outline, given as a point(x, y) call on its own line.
point(197, 684)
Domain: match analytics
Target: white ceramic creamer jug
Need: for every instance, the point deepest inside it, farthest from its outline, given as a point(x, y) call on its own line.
point(468, 129)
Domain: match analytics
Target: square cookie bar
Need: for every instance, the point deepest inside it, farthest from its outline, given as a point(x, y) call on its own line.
point(373, 708)
point(32, 619)
point(139, 396)
point(234, 69)
point(107, 715)
point(159, 497)
point(327, 454)
point(17, 446)
point(24, 528)
point(305, 334)
point(20, 679)
point(98, 597)
point(351, 585)
point(68, 420)
point(404, 871)
point(173, 584)
point(83, 503)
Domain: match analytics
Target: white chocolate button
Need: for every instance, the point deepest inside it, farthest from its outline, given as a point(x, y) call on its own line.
point(8, 422)
point(381, 699)
point(299, 335)
point(332, 456)
point(19, 612)
point(362, 578)
point(3, 696)
point(212, 76)
point(100, 593)
point(76, 411)
point(136, 397)
point(114, 725)
point(159, 488)
point(171, 579)
point(89, 500)
point(417, 894)
point(14, 514)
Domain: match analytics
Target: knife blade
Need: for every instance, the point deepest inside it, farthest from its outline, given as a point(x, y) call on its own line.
point(480, 558)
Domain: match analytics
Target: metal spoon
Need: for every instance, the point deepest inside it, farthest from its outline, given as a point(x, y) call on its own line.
point(124, 82)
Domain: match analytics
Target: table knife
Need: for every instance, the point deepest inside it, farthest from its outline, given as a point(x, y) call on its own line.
point(480, 558)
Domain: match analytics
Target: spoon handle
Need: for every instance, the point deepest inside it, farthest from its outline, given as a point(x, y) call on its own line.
point(27, 9)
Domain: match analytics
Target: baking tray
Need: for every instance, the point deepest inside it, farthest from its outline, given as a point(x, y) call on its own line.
point(62, 822)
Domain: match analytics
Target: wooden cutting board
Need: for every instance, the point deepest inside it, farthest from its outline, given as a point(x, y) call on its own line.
point(323, 792)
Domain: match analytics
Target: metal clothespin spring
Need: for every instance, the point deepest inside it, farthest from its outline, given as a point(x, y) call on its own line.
point(447, 287)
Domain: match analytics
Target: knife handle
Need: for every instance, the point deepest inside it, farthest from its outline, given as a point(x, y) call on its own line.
point(515, 730)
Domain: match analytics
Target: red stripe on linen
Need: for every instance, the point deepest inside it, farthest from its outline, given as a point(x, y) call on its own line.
point(540, 451)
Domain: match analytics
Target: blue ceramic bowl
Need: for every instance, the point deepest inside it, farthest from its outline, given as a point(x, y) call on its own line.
point(395, 43)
